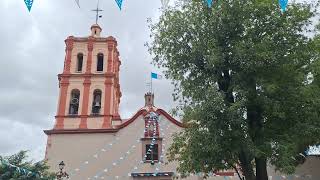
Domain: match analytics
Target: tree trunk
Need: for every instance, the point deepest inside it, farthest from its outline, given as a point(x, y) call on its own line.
point(256, 129)
point(246, 166)
point(261, 169)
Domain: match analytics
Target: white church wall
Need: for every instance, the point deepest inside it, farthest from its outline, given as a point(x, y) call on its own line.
point(111, 155)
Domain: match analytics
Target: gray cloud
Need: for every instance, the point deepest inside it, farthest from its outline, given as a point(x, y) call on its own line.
point(32, 54)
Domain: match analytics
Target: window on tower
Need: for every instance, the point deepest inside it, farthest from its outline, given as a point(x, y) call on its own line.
point(96, 103)
point(100, 62)
point(74, 102)
point(152, 152)
point(79, 62)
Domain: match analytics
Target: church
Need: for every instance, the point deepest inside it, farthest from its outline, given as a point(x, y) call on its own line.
point(90, 136)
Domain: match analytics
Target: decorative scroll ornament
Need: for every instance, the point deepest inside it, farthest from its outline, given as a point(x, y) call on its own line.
point(119, 3)
point(283, 5)
point(28, 4)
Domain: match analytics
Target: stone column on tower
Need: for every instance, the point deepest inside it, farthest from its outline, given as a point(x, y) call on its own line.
point(64, 83)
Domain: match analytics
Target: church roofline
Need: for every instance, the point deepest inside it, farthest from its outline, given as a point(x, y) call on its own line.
point(94, 39)
point(107, 74)
point(170, 118)
point(159, 111)
point(116, 128)
point(79, 131)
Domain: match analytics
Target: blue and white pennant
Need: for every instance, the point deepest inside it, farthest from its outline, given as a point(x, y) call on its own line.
point(209, 2)
point(119, 3)
point(29, 4)
point(283, 5)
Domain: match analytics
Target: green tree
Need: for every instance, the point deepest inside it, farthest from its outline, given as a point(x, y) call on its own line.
point(39, 169)
point(248, 77)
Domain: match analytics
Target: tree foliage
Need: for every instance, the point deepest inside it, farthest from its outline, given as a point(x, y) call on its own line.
point(39, 169)
point(248, 77)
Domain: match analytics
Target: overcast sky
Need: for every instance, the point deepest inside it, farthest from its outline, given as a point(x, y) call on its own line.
point(32, 54)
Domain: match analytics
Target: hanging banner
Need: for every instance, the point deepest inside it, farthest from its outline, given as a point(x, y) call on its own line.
point(119, 3)
point(283, 5)
point(209, 3)
point(28, 4)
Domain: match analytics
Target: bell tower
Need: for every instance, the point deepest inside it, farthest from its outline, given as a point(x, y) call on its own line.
point(89, 84)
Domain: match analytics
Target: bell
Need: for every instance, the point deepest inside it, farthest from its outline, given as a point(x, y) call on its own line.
point(96, 104)
point(97, 101)
point(74, 101)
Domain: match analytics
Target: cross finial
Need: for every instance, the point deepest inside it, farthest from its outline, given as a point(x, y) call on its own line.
point(97, 12)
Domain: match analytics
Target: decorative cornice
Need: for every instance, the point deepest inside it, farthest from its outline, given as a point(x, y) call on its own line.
point(85, 75)
point(108, 81)
point(86, 81)
point(63, 81)
point(79, 131)
point(109, 74)
point(82, 116)
point(95, 39)
point(111, 39)
point(115, 129)
point(69, 43)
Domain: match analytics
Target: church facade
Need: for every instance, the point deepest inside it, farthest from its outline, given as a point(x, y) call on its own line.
point(89, 134)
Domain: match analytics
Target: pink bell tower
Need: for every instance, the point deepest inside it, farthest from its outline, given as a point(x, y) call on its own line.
point(89, 84)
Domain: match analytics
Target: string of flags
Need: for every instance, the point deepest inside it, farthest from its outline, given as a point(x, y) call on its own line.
point(283, 4)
